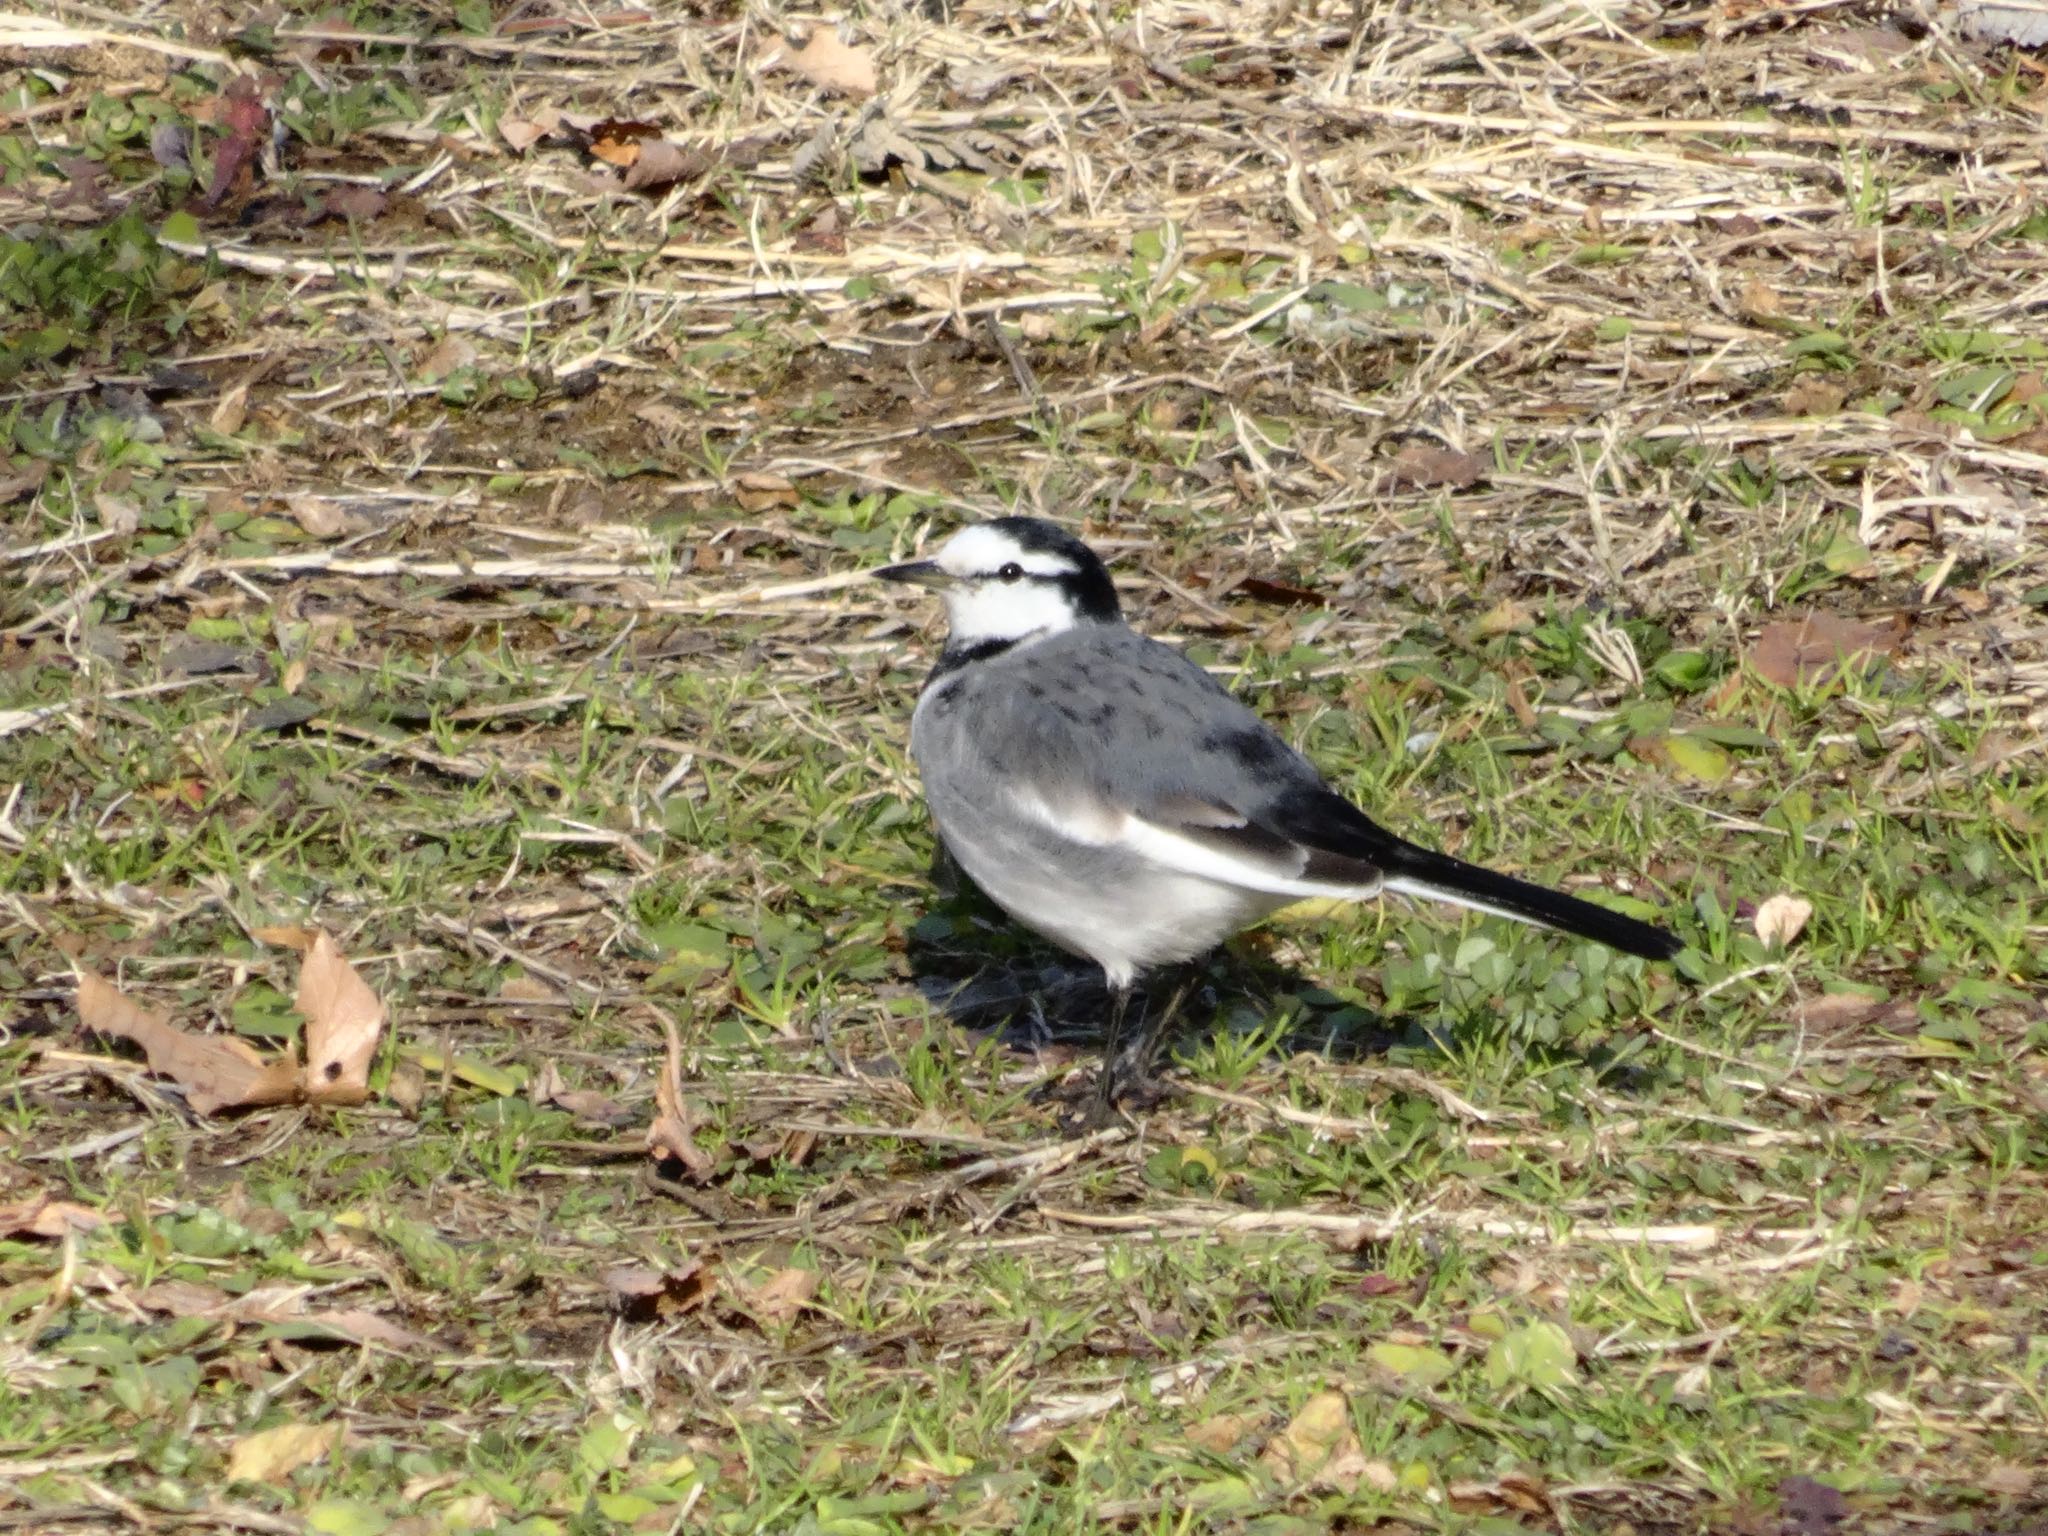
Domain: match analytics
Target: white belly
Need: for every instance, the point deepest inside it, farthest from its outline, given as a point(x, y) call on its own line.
point(1124, 914)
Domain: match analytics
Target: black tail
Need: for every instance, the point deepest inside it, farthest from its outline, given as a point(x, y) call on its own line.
point(1414, 871)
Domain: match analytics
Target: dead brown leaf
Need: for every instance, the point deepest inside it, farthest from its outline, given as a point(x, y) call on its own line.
point(407, 1087)
point(529, 989)
point(18, 484)
point(1319, 1449)
point(1819, 647)
point(647, 1295)
point(1833, 1011)
point(672, 1137)
point(827, 61)
point(2009, 1480)
point(1505, 617)
point(445, 356)
point(232, 411)
point(281, 1304)
point(1781, 918)
point(1519, 1491)
point(40, 1216)
point(469, 1512)
point(758, 490)
point(337, 45)
point(354, 201)
point(361, 1327)
point(244, 120)
point(322, 516)
point(1813, 394)
point(1809, 1507)
point(202, 658)
point(2016, 816)
point(1759, 301)
point(216, 1071)
point(1518, 702)
point(784, 1149)
point(1860, 48)
point(1426, 464)
point(587, 1105)
point(285, 936)
point(917, 1472)
point(183, 1298)
point(522, 133)
point(117, 514)
point(1221, 1434)
point(784, 1294)
point(344, 1021)
point(661, 164)
point(270, 1455)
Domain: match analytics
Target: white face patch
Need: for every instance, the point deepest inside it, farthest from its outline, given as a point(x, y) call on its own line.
point(982, 605)
point(989, 609)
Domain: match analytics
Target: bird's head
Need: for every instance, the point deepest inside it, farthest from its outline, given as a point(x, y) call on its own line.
point(1012, 579)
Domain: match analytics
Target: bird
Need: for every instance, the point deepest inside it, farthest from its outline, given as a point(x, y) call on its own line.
point(1111, 796)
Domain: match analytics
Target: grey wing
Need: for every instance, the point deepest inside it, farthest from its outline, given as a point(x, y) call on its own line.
point(1112, 737)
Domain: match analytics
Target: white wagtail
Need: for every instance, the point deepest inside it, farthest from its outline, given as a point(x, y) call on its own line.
point(1110, 795)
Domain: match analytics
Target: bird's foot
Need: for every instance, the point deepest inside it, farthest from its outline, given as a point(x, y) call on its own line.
point(1110, 1097)
point(1134, 1086)
point(1115, 1096)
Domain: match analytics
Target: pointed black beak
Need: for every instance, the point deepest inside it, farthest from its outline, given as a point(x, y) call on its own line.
point(916, 573)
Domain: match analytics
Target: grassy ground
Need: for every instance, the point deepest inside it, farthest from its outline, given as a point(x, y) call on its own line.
point(414, 531)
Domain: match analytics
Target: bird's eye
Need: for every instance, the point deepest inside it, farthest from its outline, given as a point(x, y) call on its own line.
point(1011, 572)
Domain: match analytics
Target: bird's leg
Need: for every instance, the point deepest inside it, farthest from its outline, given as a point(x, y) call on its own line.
point(1102, 1111)
point(1127, 1056)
